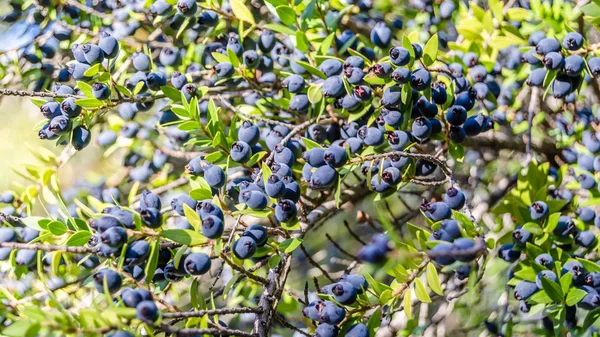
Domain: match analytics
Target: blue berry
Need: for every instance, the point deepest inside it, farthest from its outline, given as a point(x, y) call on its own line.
point(381, 35)
point(112, 279)
point(197, 264)
point(109, 45)
point(254, 199)
point(244, 247)
point(212, 227)
point(81, 137)
point(92, 53)
point(547, 274)
point(146, 311)
point(323, 178)
point(285, 210)
point(214, 176)
point(399, 56)
point(524, 290)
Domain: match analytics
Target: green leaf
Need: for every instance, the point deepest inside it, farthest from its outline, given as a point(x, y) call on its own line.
point(172, 93)
point(22, 328)
point(37, 101)
point(79, 239)
point(430, 51)
point(374, 321)
point(565, 282)
point(93, 70)
point(286, 14)
point(89, 103)
point(301, 41)
point(326, 44)
point(290, 245)
point(433, 279)
point(199, 194)
point(315, 93)
point(152, 260)
point(457, 151)
point(192, 217)
point(407, 302)
point(241, 11)
point(57, 228)
point(533, 228)
point(233, 59)
point(551, 222)
point(183, 236)
point(421, 291)
point(279, 28)
point(86, 89)
point(574, 296)
point(32, 222)
point(220, 58)
point(312, 70)
point(310, 144)
point(553, 290)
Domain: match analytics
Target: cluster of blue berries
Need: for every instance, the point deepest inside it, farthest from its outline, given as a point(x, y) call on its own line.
point(329, 314)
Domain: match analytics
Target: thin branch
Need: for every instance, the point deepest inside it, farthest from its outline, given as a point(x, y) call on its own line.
point(49, 248)
point(315, 264)
point(209, 331)
point(221, 311)
point(242, 270)
point(400, 290)
point(336, 245)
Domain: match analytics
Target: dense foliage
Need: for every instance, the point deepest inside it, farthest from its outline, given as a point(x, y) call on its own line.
point(306, 167)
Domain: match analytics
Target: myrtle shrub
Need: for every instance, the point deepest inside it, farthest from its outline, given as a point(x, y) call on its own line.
point(306, 168)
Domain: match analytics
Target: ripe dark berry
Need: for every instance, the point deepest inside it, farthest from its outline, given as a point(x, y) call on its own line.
point(399, 56)
point(545, 274)
point(187, 7)
point(274, 187)
point(381, 35)
point(101, 91)
point(573, 41)
point(521, 236)
point(258, 233)
point(507, 253)
point(92, 53)
point(151, 217)
point(60, 125)
point(326, 330)
point(212, 226)
point(109, 45)
point(114, 237)
point(524, 290)
point(50, 109)
point(244, 247)
point(538, 210)
point(214, 176)
point(111, 278)
point(299, 103)
point(137, 252)
point(323, 178)
point(240, 152)
point(421, 128)
point(253, 199)
point(335, 156)
point(420, 79)
point(285, 210)
point(266, 41)
point(443, 254)
point(197, 264)
point(141, 61)
point(146, 311)
point(455, 198)
point(69, 108)
point(554, 61)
